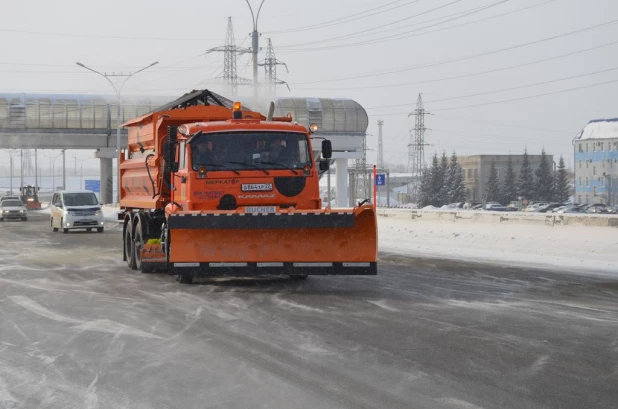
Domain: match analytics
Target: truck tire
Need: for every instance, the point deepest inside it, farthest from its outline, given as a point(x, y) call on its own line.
point(64, 230)
point(129, 247)
point(54, 229)
point(99, 229)
point(138, 244)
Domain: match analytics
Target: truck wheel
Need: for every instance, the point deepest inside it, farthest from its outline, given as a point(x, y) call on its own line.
point(138, 244)
point(184, 278)
point(54, 229)
point(25, 219)
point(64, 230)
point(99, 229)
point(88, 230)
point(129, 247)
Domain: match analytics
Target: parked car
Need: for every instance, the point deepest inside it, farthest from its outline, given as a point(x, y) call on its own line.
point(570, 209)
point(534, 206)
point(76, 209)
point(495, 207)
point(596, 208)
point(549, 207)
point(13, 209)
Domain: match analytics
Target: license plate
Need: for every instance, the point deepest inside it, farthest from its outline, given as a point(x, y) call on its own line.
point(260, 209)
point(257, 187)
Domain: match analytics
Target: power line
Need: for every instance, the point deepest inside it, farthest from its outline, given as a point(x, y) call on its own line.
point(510, 100)
point(504, 89)
point(471, 74)
point(290, 46)
point(47, 33)
point(468, 57)
point(331, 22)
point(366, 32)
point(483, 121)
point(465, 13)
point(530, 96)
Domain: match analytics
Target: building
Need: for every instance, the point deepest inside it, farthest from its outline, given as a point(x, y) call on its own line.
point(476, 170)
point(596, 162)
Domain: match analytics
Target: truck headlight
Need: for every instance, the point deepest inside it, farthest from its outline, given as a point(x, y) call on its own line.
point(30, 199)
point(21, 211)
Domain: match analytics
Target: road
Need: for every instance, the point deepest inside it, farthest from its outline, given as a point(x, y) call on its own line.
point(80, 330)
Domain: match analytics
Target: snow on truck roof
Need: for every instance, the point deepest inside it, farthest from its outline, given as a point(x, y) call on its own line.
point(599, 129)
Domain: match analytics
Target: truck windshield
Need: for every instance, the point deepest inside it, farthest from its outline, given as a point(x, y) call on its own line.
point(80, 199)
point(250, 151)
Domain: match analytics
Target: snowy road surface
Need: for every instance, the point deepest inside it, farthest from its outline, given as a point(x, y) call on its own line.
point(79, 330)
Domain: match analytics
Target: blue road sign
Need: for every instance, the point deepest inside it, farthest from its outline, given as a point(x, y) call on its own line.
point(94, 185)
point(380, 179)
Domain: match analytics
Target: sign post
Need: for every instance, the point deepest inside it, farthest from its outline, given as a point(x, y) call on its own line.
point(375, 187)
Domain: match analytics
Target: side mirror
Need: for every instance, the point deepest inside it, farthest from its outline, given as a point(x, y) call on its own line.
point(327, 149)
point(324, 165)
point(58, 204)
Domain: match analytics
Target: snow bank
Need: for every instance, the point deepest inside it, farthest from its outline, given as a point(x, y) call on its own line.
point(584, 249)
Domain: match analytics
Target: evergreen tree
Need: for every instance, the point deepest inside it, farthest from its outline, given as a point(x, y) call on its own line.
point(426, 189)
point(562, 190)
point(509, 190)
point(455, 181)
point(436, 181)
point(442, 188)
point(525, 184)
point(544, 179)
point(492, 187)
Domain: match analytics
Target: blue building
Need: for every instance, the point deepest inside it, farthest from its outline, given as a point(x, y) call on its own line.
point(596, 162)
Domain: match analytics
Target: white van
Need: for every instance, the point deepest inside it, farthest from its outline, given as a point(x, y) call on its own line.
point(76, 209)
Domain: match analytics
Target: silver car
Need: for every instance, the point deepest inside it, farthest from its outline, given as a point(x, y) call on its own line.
point(13, 209)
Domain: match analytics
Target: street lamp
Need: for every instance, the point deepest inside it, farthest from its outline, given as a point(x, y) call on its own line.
point(52, 160)
point(118, 91)
point(255, 47)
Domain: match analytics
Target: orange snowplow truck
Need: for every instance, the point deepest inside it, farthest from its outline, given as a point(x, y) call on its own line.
point(210, 189)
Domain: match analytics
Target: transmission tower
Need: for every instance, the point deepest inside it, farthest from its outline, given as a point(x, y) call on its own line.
point(270, 67)
point(416, 149)
point(362, 183)
point(231, 80)
point(380, 146)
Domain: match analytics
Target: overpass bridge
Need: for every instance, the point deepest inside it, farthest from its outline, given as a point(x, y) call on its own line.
point(86, 121)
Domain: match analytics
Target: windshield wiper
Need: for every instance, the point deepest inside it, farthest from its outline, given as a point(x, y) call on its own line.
point(280, 164)
point(252, 165)
point(219, 166)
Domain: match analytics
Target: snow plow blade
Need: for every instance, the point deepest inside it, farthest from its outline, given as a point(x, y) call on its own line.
point(296, 242)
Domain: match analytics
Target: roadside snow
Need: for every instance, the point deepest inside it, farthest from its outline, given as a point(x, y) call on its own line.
point(584, 249)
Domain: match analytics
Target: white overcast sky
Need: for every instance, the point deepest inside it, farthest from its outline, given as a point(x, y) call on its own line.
point(381, 53)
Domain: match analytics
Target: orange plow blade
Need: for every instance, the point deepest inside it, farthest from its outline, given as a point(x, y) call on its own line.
point(289, 242)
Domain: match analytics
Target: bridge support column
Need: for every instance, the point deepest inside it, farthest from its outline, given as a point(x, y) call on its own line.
point(342, 182)
point(106, 157)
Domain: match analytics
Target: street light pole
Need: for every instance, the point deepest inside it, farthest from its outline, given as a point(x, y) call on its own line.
point(118, 91)
point(254, 50)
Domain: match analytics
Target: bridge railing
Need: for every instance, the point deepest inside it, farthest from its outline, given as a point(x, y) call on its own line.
point(69, 114)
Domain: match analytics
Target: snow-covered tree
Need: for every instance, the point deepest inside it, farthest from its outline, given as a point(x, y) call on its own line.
point(544, 186)
point(525, 184)
point(455, 181)
point(562, 189)
point(492, 187)
point(442, 188)
point(509, 189)
point(425, 194)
